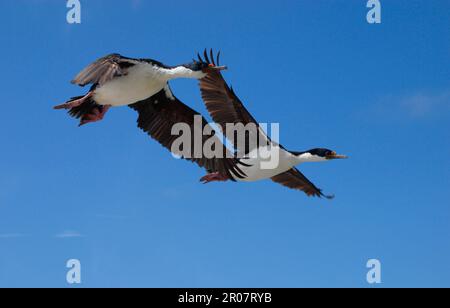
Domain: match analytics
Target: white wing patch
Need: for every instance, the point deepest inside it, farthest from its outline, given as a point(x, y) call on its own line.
point(168, 92)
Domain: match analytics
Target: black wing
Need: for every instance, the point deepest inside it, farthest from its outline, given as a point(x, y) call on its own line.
point(104, 69)
point(225, 107)
point(296, 180)
point(160, 112)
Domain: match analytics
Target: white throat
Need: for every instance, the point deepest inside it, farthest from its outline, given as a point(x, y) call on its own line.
point(308, 158)
point(183, 72)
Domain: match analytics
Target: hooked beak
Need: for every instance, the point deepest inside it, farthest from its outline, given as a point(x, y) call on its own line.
point(333, 155)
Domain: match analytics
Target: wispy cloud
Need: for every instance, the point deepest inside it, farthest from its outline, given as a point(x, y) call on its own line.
point(135, 4)
point(422, 104)
point(11, 235)
point(69, 234)
point(64, 234)
point(417, 105)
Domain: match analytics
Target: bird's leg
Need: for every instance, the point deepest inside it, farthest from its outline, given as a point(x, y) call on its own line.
point(215, 176)
point(74, 103)
point(97, 114)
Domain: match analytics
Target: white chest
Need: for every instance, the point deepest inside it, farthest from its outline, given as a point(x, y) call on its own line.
point(142, 81)
point(266, 163)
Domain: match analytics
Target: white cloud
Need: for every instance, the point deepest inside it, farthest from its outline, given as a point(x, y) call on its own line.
point(420, 104)
point(416, 105)
point(69, 234)
point(11, 235)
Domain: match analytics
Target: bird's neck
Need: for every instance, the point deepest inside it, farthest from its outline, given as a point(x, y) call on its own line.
point(307, 157)
point(183, 72)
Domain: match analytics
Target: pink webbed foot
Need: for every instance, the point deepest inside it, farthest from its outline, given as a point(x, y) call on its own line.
point(212, 177)
point(96, 115)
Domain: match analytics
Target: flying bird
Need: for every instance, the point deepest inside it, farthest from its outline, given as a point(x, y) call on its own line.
point(157, 116)
point(225, 107)
point(159, 113)
point(117, 80)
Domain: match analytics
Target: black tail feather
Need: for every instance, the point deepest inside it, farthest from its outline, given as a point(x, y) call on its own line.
point(86, 108)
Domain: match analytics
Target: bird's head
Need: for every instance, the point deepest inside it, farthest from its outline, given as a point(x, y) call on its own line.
point(208, 63)
point(318, 154)
point(204, 67)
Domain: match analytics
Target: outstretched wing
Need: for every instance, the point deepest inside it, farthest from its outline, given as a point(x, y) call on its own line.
point(225, 107)
point(296, 180)
point(160, 112)
point(223, 104)
point(104, 69)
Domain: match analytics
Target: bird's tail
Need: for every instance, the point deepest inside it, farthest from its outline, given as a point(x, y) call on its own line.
point(81, 107)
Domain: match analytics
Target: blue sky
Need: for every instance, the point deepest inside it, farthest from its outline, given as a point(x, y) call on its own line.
point(108, 195)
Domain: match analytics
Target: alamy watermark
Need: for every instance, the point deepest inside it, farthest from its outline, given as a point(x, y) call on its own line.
point(74, 14)
point(374, 274)
point(374, 14)
point(73, 275)
point(200, 140)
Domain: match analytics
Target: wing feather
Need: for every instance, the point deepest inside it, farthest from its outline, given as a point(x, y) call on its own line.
point(294, 179)
point(225, 107)
point(159, 113)
point(103, 70)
